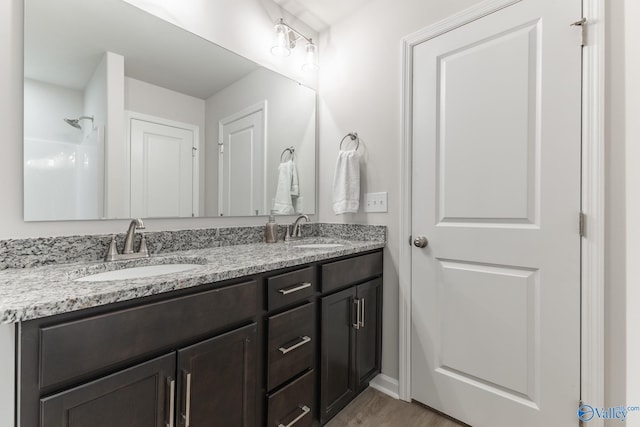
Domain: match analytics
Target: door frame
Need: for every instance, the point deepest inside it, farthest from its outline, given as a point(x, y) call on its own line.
point(195, 165)
point(592, 192)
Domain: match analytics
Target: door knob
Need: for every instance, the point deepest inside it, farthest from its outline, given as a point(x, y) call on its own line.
point(420, 242)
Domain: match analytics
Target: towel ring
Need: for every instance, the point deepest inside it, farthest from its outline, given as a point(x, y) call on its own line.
point(289, 150)
point(354, 137)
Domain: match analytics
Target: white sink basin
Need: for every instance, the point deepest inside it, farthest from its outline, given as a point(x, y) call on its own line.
point(137, 272)
point(319, 245)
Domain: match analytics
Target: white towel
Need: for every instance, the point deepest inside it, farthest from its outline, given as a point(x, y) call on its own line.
point(288, 188)
point(346, 183)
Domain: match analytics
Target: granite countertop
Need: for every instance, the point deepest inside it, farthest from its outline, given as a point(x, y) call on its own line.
point(31, 293)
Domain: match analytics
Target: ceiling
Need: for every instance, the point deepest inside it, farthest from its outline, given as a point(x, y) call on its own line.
point(321, 14)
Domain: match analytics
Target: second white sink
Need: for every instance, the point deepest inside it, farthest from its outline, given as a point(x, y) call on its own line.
point(137, 272)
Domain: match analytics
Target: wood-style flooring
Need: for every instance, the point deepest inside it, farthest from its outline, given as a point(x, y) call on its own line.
point(375, 409)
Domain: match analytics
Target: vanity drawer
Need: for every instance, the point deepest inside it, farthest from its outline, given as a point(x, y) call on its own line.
point(349, 271)
point(290, 287)
point(75, 349)
point(293, 405)
point(291, 344)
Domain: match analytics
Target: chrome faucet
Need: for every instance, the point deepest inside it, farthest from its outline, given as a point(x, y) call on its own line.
point(127, 250)
point(296, 231)
point(136, 224)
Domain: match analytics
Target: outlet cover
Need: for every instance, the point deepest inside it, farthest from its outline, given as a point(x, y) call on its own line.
point(375, 202)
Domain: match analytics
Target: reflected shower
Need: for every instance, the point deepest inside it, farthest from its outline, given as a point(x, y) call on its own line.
point(75, 122)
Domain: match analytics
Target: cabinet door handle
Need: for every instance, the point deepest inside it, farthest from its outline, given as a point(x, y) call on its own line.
point(171, 383)
point(305, 339)
point(361, 322)
point(356, 325)
point(305, 411)
point(295, 288)
point(187, 400)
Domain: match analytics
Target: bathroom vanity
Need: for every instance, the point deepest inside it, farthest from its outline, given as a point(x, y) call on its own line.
point(288, 346)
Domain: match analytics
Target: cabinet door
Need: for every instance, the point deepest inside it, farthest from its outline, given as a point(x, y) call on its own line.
point(369, 334)
point(338, 379)
point(218, 381)
point(138, 396)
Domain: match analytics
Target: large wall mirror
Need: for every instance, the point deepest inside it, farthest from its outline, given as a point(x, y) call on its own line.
point(127, 115)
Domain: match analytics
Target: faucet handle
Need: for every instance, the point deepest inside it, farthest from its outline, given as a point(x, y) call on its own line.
point(112, 253)
point(143, 246)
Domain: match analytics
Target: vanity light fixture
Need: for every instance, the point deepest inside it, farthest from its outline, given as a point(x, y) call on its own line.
point(285, 40)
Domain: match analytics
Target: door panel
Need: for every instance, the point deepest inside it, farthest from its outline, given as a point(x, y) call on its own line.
point(498, 107)
point(133, 397)
point(218, 380)
point(496, 189)
point(368, 336)
point(242, 164)
point(337, 353)
point(161, 170)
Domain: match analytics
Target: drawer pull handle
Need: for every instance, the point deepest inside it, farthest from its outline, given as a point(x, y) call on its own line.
point(356, 325)
point(296, 288)
point(172, 400)
point(305, 339)
point(362, 301)
point(305, 411)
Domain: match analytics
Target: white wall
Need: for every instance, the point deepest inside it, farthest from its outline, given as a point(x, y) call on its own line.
point(244, 26)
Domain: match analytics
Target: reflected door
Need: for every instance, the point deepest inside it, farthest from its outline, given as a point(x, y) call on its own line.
point(162, 170)
point(496, 190)
point(241, 180)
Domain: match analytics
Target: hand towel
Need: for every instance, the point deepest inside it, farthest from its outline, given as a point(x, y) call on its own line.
point(288, 188)
point(346, 183)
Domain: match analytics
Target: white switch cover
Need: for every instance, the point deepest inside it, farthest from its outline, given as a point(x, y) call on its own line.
point(375, 202)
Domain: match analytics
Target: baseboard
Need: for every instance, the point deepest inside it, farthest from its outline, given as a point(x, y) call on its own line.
point(386, 385)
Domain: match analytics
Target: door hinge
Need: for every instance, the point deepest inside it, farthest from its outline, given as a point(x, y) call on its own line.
point(193, 151)
point(583, 30)
point(221, 148)
point(409, 240)
point(582, 225)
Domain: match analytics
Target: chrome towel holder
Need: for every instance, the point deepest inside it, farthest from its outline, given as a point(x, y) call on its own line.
point(289, 150)
point(354, 137)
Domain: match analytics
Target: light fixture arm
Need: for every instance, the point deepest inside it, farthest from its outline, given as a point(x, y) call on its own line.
point(297, 33)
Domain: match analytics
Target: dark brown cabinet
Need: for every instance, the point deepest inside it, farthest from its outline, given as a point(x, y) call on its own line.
point(138, 396)
point(218, 381)
point(351, 338)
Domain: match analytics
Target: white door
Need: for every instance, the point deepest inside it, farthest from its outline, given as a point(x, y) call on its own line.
point(496, 190)
point(162, 170)
point(241, 180)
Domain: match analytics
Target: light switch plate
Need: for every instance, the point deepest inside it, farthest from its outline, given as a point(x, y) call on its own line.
point(375, 202)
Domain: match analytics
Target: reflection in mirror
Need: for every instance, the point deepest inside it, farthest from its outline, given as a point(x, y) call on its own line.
point(127, 115)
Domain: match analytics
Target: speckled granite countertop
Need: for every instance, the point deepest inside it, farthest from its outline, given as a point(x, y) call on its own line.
point(32, 293)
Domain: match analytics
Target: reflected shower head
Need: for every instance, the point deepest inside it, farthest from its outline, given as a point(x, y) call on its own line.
point(75, 122)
